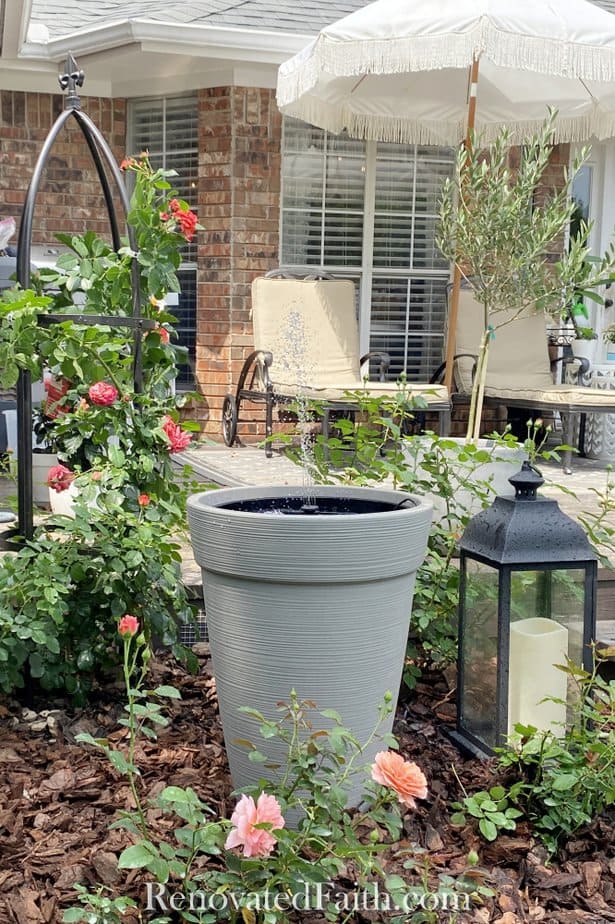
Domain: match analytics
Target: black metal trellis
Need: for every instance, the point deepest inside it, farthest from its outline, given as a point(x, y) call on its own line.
point(101, 155)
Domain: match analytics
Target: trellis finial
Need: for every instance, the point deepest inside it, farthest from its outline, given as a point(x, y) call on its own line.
point(70, 80)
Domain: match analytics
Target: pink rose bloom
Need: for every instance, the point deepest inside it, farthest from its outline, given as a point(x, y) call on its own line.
point(405, 778)
point(178, 439)
point(103, 394)
point(60, 478)
point(143, 500)
point(128, 625)
point(256, 842)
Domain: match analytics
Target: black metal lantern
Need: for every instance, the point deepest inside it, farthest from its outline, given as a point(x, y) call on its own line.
point(527, 602)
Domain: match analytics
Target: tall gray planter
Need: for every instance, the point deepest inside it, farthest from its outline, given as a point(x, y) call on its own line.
point(318, 603)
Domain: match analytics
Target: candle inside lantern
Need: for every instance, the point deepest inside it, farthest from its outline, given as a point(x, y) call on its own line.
point(536, 646)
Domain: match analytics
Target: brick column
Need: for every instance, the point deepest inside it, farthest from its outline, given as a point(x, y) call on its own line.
point(239, 193)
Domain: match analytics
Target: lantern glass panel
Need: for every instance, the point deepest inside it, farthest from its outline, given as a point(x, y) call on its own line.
point(546, 627)
point(479, 652)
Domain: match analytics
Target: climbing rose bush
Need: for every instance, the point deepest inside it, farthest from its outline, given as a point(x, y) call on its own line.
point(114, 437)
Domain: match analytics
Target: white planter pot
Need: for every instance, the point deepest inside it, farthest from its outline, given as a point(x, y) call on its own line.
point(63, 502)
point(317, 603)
point(41, 463)
point(585, 349)
point(492, 475)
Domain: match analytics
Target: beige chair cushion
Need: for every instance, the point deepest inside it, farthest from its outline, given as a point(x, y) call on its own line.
point(433, 394)
point(310, 326)
point(518, 354)
point(557, 396)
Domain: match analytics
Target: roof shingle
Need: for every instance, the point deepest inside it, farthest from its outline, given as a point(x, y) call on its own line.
point(63, 17)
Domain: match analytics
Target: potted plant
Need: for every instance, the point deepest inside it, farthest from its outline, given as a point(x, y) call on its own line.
point(584, 344)
point(501, 223)
point(608, 335)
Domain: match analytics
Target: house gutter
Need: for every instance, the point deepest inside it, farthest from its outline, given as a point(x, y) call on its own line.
point(198, 41)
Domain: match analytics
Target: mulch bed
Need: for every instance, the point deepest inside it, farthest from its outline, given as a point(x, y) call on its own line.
point(57, 798)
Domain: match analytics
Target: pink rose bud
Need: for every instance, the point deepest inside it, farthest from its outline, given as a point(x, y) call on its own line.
point(128, 625)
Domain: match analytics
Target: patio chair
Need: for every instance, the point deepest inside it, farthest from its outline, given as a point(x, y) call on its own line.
point(306, 344)
point(519, 372)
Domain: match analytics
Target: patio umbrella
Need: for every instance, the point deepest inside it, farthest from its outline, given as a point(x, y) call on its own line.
point(431, 71)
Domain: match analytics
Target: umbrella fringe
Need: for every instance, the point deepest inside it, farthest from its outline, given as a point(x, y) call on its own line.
point(538, 54)
point(443, 134)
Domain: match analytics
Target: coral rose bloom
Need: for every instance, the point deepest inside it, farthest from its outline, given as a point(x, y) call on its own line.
point(256, 842)
point(102, 393)
point(60, 478)
point(405, 778)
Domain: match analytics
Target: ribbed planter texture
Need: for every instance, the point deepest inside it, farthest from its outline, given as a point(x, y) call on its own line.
point(317, 603)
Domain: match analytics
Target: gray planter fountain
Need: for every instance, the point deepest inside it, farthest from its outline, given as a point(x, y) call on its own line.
point(315, 597)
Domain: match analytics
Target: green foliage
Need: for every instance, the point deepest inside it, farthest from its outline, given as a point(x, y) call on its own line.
point(492, 810)
point(61, 597)
point(586, 333)
point(557, 784)
point(143, 714)
point(563, 783)
point(98, 907)
point(598, 522)
point(311, 786)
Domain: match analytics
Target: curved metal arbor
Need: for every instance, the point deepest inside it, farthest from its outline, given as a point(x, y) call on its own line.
point(102, 156)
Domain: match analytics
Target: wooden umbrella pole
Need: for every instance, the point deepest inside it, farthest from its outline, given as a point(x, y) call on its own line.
point(454, 300)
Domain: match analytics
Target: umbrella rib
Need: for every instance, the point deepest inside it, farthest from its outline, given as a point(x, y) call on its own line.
point(589, 92)
point(358, 83)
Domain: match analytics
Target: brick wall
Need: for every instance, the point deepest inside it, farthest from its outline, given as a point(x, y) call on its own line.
point(239, 191)
point(69, 199)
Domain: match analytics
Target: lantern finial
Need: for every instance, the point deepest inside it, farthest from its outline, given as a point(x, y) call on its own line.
point(526, 482)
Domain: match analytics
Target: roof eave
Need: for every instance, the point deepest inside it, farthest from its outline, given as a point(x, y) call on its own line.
point(253, 45)
point(14, 26)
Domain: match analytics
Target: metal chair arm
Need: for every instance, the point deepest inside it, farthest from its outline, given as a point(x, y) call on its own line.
point(384, 361)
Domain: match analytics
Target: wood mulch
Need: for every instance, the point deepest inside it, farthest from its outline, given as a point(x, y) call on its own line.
point(58, 797)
